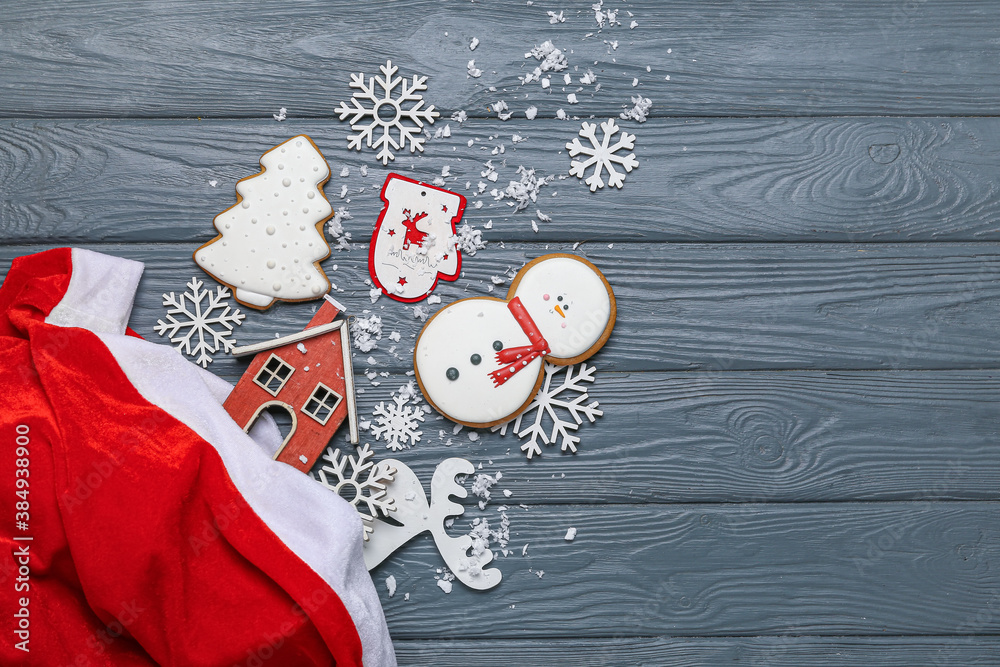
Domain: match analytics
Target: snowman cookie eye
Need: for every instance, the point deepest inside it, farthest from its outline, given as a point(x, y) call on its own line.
point(475, 359)
point(497, 345)
point(451, 373)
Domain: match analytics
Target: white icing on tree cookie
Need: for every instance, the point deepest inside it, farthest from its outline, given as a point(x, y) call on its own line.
point(271, 241)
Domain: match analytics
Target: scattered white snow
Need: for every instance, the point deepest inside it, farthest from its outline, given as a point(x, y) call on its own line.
point(281, 115)
point(365, 332)
point(500, 107)
point(524, 191)
point(550, 59)
point(639, 109)
point(570, 534)
point(336, 229)
point(469, 240)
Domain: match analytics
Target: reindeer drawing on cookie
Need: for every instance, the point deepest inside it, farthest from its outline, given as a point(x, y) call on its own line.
point(479, 361)
point(413, 235)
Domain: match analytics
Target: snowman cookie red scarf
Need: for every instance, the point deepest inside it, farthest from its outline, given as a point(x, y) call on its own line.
point(517, 358)
point(480, 361)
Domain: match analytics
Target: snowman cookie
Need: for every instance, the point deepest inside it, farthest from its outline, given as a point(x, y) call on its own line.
point(479, 361)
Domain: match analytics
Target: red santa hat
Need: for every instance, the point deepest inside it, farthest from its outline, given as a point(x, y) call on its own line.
point(157, 531)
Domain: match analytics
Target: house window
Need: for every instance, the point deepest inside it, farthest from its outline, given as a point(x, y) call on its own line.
point(273, 375)
point(322, 403)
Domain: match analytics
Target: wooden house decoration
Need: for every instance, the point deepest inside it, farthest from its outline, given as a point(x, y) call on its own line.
point(309, 374)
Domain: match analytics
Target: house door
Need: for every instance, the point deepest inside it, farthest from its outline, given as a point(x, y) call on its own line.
point(284, 419)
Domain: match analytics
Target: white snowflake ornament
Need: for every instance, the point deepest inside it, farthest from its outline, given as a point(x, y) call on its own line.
point(550, 399)
point(387, 112)
point(602, 155)
point(202, 329)
point(397, 423)
point(366, 482)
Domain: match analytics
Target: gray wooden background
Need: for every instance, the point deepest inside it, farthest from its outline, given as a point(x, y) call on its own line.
point(799, 462)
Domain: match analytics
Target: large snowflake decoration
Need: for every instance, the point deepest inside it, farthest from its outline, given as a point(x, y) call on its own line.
point(387, 113)
point(602, 155)
point(365, 484)
point(397, 423)
point(549, 399)
point(202, 329)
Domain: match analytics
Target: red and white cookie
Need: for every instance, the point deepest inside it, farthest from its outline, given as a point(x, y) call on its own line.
point(479, 360)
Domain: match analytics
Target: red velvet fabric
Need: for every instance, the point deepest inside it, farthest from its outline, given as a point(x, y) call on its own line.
point(143, 551)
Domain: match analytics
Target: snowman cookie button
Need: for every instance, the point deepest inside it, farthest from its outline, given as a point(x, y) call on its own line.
point(479, 361)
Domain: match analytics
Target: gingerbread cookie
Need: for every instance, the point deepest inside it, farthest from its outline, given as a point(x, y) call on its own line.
point(414, 240)
point(271, 241)
point(479, 361)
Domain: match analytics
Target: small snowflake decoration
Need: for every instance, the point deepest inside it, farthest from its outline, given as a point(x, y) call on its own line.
point(366, 483)
point(548, 400)
point(387, 112)
point(602, 154)
point(397, 423)
point(202, 329)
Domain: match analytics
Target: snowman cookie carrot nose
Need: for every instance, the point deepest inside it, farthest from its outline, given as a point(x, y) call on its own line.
point(480, 361)
point(558, 308)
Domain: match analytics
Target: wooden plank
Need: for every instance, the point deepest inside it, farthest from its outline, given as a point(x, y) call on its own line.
point(705, 570)
point(704, 652)
point(738, 437)
point(855, 180)
point(696, 307)
point(246, 58)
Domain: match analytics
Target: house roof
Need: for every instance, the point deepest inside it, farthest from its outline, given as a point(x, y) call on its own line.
point(298, 337)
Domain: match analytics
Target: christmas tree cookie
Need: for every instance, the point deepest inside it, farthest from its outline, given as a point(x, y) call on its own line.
point(271, 241)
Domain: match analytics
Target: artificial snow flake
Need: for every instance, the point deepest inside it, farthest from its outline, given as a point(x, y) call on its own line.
point(387, 112)
point(522, 192)
point(640, 107)
point(603, 154)
point(366, 483)
point(397, 423)
point(547, 401)
point(366, 332)
point(197, 335)
point(469, 240)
